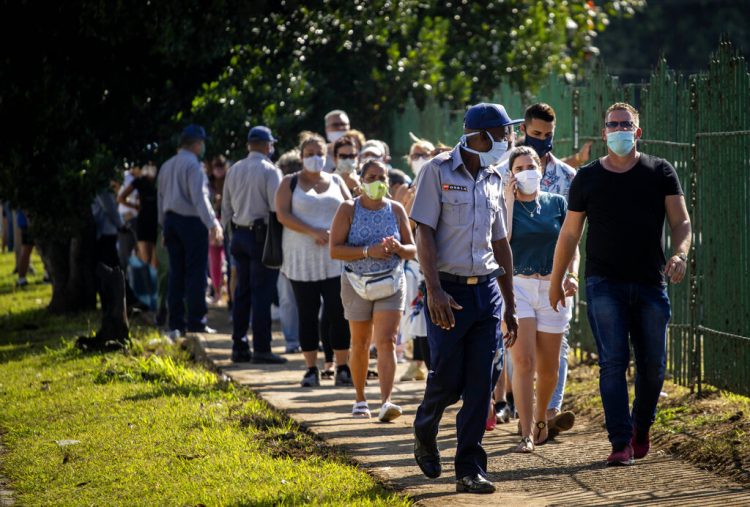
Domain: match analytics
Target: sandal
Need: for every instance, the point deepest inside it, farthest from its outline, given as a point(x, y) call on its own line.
point(360, 410)
point(525, 446)
point(371, 374)
point(541, 426)
point(327, 374)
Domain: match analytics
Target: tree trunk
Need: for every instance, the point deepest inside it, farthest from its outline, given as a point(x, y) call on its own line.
point(71, 265)
point(114, 333)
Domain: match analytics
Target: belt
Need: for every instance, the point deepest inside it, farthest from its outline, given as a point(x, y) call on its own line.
point(470, 280)
point(242, 227)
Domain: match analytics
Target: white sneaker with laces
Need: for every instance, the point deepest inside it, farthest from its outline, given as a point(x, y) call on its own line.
point(389, 412)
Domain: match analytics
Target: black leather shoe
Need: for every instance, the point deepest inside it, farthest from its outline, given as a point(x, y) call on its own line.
point(241, 352)
point(268, 358)
point(474, 484)
point(428, 457)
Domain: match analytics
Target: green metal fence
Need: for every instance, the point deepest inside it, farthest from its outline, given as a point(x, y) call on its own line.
point(701, 125)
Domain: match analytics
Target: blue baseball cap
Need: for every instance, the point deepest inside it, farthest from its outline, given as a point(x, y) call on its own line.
point(195, 132)
point(260, 133)
point(487, 116)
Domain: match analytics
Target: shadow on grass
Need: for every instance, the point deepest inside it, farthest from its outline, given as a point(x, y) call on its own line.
point(34, 331)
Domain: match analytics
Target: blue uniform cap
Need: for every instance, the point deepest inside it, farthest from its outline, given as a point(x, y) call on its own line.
point(487, 116)
point(195, 132)
point(260, 133)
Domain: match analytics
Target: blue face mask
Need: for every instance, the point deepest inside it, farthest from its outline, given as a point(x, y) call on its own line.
point(621, 142)
point(540, 146)
point(487, 158)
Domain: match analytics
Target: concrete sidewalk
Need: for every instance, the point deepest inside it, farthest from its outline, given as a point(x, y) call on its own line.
point(569, 471)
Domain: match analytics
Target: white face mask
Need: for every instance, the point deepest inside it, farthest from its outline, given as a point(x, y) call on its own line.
point(487, 158)
point(528, 181)
point(334, 135)
point(417, 165)
point(346, 165)
point(314, 164)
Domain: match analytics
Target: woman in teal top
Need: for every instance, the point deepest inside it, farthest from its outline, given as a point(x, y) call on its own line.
point(534, 222)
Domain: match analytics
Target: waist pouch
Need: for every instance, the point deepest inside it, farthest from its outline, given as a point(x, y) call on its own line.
point(374, 286)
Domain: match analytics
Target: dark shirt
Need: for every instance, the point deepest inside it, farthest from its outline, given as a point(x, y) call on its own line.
point(625, 213)
point(147, 197)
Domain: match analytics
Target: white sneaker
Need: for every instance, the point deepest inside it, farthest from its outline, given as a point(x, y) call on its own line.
point(389, 412)
point(173, 335)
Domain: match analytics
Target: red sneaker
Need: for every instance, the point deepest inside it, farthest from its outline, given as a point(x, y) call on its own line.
point(641, 444)
point(491, 419)
point(623, 457)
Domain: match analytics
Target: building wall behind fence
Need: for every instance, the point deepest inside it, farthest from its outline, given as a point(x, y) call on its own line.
point(701, 125)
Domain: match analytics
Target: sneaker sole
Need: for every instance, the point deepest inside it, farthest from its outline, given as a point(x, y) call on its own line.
point(390, 414)
point(563, 422)
point(626, 463)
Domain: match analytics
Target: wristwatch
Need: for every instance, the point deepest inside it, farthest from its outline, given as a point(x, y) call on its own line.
point(682, 256)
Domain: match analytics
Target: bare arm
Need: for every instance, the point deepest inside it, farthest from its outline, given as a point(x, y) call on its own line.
point(439, 303)
point(565, 251)
point(504, 257)
point(342, 222)
point(122, 198)
point(679, 224)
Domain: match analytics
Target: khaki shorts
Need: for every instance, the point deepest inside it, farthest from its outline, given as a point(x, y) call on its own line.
point(359, 309)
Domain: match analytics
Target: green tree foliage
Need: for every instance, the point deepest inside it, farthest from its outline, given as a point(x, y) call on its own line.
point(302, 59)
point(87, 83)
point(92, 82)
point(684, 31)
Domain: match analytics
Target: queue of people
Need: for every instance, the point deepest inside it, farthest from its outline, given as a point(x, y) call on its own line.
point(472, 257)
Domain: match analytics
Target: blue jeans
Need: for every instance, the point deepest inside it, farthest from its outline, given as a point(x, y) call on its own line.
point(288, 311)
point(462, 367)
point(618, 311)
point(555, 403)
point(255, 289)
point(186, 239)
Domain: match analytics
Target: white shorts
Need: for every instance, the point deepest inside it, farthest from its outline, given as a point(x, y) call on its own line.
point(532, 301)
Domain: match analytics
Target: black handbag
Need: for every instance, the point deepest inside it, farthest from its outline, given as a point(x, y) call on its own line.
point(272, 254)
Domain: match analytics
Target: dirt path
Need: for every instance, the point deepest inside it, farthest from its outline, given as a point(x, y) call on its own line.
point(570, 471)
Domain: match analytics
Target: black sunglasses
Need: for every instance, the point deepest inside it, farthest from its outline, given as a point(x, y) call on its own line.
point(350, 156)
point(625, 124)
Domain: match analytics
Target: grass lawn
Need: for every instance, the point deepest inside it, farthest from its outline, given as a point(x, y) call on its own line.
point(148, 427)
point(710, 430)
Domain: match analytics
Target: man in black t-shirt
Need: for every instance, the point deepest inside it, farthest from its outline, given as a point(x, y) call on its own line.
point(625, 197)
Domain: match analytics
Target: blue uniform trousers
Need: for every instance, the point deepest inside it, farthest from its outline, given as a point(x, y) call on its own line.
point(255, 289)
point(461, 367)
point(186, 239)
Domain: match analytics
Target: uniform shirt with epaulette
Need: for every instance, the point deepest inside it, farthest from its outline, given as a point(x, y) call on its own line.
point(466, 214)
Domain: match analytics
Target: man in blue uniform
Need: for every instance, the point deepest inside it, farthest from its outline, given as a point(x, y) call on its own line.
point(464, 254)
point(187, 219)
